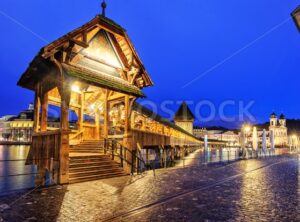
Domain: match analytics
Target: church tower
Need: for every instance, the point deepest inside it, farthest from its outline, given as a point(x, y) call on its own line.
point(273, 120)
point(282, 120)
point(184, 118)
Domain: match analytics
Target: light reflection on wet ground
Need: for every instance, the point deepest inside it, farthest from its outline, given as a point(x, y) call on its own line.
point(248, 190)
point(267, 194)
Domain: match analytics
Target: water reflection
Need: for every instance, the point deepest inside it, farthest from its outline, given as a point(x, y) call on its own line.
point(14, 174)
point(216, 155)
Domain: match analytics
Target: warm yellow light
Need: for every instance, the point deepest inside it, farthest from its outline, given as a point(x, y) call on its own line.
point(75, 88)
point(101, 108)
point(247, 128)
point(92, 106)
point(294, 137)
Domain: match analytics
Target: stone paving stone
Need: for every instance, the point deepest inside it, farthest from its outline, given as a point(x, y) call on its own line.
point(268, 194)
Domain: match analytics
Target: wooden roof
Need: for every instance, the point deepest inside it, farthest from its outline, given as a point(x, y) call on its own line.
point(68, 45)
point(152, 115)
point(184, 113)
point(109, 82)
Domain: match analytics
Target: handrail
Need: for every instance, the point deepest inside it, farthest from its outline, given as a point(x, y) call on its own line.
point(72, 137)
point(110, 145)
point(140, 158)
point(50, 133)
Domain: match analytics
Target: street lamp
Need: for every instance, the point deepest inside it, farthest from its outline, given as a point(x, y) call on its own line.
point(296, 17)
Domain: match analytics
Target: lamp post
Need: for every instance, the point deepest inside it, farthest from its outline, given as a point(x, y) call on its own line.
point(296, 17)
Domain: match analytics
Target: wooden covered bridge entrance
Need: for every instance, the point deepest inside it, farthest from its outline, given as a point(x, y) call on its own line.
point(95, 72)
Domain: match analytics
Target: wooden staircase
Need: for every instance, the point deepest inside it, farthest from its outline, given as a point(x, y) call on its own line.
point(88, 162)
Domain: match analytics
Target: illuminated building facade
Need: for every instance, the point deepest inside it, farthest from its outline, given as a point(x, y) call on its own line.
point(278, 126)
point(19, 128)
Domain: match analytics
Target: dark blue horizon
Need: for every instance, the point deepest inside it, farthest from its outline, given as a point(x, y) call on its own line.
point(240, 51)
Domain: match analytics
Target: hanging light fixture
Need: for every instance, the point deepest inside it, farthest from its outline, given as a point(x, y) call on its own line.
point(75, 88)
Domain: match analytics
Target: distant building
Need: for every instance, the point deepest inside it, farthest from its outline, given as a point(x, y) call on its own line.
point(278, 126)
point(17, 128)
point(20, 128)
point(184, 118)
point(199, 132)
point(232, 138)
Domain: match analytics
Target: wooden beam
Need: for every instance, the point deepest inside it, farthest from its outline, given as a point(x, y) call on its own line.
point(65, 93)
point(84, 37)
point(116, 96)
point(44, 118)
point(83, 44)
point(97, 121)
point(37, 108)
point(127, 115)
point(106, 114)
point(57, 102)
point(65, 105)
point(119, 50)
point(81, 114)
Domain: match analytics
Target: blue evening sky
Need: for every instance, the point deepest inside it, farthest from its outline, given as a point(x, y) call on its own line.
point(247, 50)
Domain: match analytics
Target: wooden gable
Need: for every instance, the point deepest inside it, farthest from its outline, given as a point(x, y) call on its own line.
point(101, 46)
point(100, 56)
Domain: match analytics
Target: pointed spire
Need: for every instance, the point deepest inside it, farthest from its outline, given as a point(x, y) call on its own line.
point(103, 5)
point(184, 113)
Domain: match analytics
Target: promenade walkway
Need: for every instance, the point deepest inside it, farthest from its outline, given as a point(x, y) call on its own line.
point(250, 190)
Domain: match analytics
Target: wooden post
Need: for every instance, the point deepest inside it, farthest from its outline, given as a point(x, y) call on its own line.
point(97, 120)
point(106, 114)
point(37, 108)
point(127, 140)
point(160, 157)
point(64, 148)
point(80, 114)
point(65, 104)
point(147, 156)
point(165, 157)
point(44, 118)
point(127, 116)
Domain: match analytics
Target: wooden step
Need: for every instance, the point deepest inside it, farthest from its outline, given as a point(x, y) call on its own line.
point(85, 166)
point(102, 163)
point(96, 167)
point(91, 178)
point(88, 161)
point(86, 151)
point(92, 157)
point(87, 147)
point(93, 172)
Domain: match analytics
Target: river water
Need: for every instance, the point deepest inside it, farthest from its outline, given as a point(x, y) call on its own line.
point(14, 174)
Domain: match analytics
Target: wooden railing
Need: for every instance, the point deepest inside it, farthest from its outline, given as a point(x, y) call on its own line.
point(77, 137)
point(89, 131)
point(49, 151)
point(128, 159)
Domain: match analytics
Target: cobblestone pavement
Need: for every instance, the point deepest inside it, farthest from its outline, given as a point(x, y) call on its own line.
point(250, 190)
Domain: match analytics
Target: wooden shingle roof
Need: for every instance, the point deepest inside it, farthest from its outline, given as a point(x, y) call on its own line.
point(102, 80)
point(184, 113)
